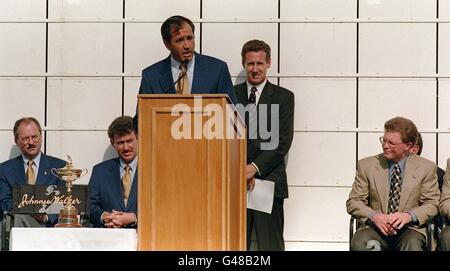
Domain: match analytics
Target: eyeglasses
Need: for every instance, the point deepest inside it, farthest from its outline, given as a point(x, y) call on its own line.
point(27, 140)
point(389, 143)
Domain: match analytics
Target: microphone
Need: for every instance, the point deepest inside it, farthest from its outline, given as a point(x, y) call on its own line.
point(184, 62)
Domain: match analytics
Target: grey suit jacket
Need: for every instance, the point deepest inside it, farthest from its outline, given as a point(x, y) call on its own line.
point(370, 191)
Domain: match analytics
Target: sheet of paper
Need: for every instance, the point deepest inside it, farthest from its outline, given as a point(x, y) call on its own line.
point(261, 197)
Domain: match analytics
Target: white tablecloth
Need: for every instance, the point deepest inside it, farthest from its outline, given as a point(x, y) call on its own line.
point(73, 239)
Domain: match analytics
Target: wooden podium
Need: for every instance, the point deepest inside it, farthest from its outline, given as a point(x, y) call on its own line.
point(192, 188)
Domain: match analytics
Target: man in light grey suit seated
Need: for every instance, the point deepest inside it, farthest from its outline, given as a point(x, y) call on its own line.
point(394, 193)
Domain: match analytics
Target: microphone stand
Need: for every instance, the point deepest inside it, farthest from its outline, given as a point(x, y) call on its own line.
point(185, 62)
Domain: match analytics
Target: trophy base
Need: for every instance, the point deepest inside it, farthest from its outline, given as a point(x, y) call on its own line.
point(68, 218)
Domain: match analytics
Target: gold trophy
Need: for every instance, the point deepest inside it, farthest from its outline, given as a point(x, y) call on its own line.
point(68, 216)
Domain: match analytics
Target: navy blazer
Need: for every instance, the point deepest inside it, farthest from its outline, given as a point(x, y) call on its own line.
point(211, 75)
point(12, 173)
point(105, 191)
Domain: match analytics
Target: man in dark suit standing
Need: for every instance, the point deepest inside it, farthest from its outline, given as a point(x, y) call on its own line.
point(273, 106)
point(113, 183)
point(193, 72)
point(31, 167)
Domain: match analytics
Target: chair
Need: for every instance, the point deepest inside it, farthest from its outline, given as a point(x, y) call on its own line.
point(431, 231)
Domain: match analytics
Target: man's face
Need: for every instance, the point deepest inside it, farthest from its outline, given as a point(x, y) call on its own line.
point(29, 139)
point(393, 147)
point(126, 146)
point(256, 66)
point(182, 43)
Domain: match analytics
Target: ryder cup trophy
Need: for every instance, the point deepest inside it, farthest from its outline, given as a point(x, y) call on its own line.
point(68, 216)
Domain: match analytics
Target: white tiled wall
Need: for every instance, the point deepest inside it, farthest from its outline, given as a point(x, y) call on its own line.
point(329, 110)
point(382, 99)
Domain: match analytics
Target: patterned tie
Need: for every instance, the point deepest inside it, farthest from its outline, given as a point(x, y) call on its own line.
point(252, 97)
point(126, 184)
point(396, 188)
point(30, 173)
point(252, 116)
point(183, 83)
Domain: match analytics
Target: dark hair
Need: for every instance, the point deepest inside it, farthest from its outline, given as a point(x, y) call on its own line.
point(419, 142)
point(121, 126)
point(406, 128)
point(176, 22)
point(26, 121)
point(255, 46)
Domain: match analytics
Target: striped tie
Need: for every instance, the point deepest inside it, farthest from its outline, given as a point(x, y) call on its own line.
point(126, 184)
point(183, 83)
point(31, 179)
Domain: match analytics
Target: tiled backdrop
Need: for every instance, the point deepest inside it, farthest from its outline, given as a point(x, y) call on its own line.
point(337, 119)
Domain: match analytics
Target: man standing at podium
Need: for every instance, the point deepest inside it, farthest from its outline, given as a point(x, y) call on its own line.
point(113, 183)
point(31, 167)
point(265, 160)
point(184, 71)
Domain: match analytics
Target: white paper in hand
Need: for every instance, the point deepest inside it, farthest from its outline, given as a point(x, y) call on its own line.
point(261, 198)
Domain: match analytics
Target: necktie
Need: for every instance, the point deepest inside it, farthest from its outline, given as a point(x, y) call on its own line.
point(30, 173)
point(126, 184)
point(252, 116)
point(395, 189)
point(252, 97)
point(183, 83)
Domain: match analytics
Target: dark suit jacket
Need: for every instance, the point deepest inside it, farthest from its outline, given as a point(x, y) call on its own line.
point(105, 191)
point(12, 173)
point(271, 163)
point(211, 75)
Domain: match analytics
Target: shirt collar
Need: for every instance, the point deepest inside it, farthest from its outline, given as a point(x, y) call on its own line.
point(401, 163)
point(176, 64)
point(36, 159)
point(132, 165)
point(259, 87)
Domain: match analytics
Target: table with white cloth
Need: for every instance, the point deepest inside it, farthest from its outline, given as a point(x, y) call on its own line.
point(82, 239)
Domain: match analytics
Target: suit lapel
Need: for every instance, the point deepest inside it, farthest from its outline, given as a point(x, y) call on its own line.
point(409, 181)
point(44, 170)
point(117, 183)
point(166, 79)
point(380, 179)
point(266, 95)
point(241, 93)
point(199, 74)
point(19, 171)
point(132, 196)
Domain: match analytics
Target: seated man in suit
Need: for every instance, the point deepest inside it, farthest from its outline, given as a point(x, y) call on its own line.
point(31, 167)
point(265, 155)
point(444, 210)
point(192, 72)
point(113, 183)
point(394, 193)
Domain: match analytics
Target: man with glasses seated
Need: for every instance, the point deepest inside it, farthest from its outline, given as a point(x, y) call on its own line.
point(394, 193)
point(31, 167)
